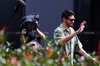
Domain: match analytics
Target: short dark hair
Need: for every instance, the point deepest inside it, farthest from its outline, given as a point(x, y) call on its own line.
point(67, 13)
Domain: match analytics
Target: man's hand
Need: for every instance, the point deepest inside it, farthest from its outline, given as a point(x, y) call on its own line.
point(95, 60)
point(81, 27)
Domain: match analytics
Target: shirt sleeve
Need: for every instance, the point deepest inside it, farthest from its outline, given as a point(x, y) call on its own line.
point(57, 36)
point(78, 45)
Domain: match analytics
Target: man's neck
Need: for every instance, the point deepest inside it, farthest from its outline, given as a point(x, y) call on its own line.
point(66, 26)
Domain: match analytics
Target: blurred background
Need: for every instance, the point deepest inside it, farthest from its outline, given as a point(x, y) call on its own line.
point(50, 18)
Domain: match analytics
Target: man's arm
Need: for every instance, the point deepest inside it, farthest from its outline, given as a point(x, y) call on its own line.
point(83, 52)
point(69, 37)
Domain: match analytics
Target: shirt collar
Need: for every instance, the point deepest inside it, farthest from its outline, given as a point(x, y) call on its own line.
point(63, 28)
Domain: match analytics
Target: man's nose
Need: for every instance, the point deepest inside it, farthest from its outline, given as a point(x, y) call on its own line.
point(73, 21)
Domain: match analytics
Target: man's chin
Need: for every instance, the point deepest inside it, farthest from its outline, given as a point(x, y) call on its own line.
point(71, 25)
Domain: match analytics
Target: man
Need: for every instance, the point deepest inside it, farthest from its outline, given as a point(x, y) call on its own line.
point(30, 32)
point(66, 37)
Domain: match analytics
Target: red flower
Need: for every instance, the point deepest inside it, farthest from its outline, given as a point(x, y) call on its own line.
point(2, 44)
point(5, 28)
point(28, 56)
point(14, 61)
point(98, 52)
point(64, 54)
point(62, 59)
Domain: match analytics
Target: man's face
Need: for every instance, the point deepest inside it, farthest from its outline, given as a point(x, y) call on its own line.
point(69, 22)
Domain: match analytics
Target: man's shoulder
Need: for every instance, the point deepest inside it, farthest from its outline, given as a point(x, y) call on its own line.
point(57, 29)
point(72, 29)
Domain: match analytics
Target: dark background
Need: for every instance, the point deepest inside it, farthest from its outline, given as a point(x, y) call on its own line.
point(6, 11)
point(50, 17)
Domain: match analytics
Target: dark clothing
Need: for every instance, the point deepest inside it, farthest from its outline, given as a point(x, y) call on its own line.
point(33, 35)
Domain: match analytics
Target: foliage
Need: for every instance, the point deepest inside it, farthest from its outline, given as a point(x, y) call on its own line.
point(46, 56)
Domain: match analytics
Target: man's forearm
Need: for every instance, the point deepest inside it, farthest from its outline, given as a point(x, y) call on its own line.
point(83, 52)
point(69, 37)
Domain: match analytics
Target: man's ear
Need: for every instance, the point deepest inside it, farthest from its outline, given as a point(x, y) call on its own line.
point(64, 19)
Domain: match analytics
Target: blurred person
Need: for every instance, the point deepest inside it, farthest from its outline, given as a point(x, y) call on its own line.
point(30, 34)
